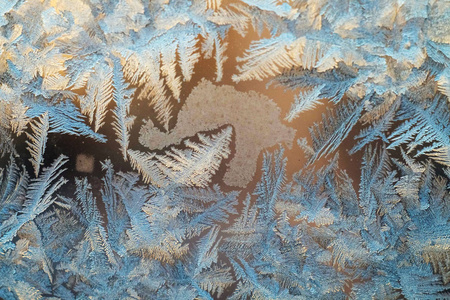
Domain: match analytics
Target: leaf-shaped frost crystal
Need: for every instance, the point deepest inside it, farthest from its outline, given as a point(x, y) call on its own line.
point(37, 141)
point(196, 165)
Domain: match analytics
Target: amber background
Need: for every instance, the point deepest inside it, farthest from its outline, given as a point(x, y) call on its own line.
point(237, 45)
point(205, 68)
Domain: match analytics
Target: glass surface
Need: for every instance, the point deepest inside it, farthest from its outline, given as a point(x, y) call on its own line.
point(213, 149)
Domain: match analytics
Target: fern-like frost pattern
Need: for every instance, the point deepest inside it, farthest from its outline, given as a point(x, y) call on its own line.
point(364, 215)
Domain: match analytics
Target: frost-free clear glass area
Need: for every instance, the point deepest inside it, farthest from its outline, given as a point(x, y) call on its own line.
point(213, 149)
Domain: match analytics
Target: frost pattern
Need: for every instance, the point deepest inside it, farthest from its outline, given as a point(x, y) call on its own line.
point(209, 107)
point(168, 230)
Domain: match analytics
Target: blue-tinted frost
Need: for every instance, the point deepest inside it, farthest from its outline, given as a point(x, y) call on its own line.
point(171, 231)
